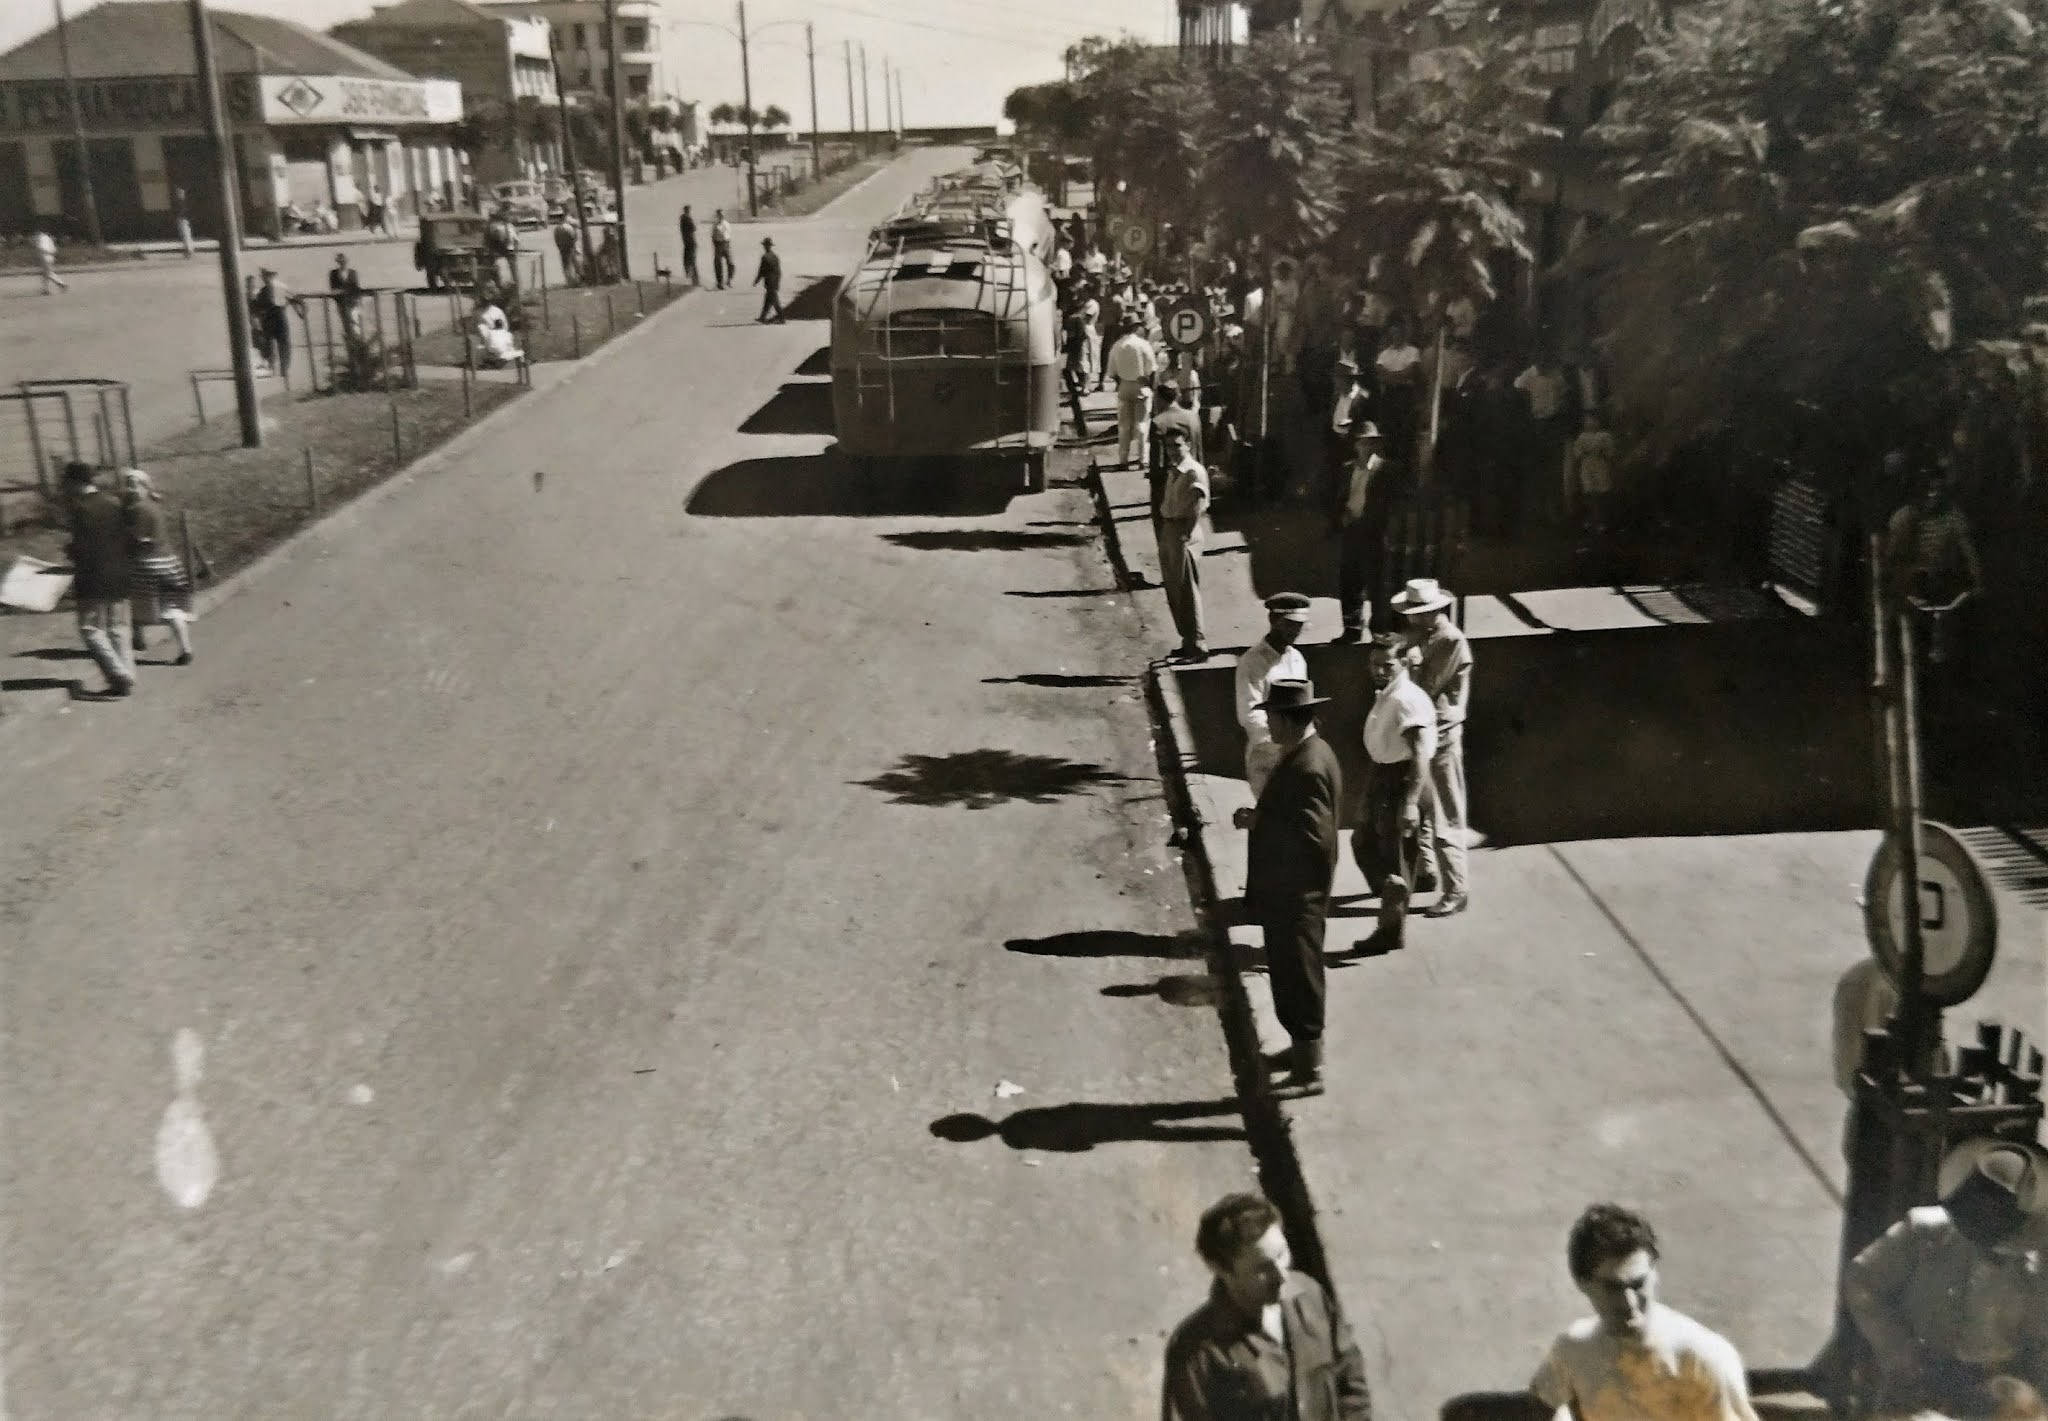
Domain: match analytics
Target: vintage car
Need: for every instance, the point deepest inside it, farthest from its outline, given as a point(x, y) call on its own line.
point(524, 200)
point(451, 247)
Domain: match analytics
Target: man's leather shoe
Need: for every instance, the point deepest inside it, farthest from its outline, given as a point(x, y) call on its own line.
point(1448, 907)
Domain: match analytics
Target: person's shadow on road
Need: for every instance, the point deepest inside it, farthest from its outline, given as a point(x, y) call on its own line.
point(1080, 1126)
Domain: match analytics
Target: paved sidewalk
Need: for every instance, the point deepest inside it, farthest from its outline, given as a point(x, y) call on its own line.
point(1636, 1007)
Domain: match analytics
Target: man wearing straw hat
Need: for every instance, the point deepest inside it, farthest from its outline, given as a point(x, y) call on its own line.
point(1291, 862)
point(1953, 1299)
point(1272, 658)
point(1444, 673)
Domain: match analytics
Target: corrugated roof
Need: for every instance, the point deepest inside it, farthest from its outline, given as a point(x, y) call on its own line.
point(127, 39)
point(425, 13)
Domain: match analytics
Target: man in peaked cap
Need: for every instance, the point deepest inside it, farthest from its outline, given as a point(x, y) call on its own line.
point(1273, 657)
point(1291, 863)
point(1953, 1298)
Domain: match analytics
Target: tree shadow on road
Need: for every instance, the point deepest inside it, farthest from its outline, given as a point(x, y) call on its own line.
point(1109, 942)
point(983, 540)
point(982, 779)
point(828, 486)
point(1080, 1126)
point(800, 407)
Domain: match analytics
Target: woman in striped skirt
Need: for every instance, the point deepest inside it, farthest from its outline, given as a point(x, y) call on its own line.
point(163, 593)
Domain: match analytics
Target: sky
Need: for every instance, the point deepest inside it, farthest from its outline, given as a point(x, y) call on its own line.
point(959, 57)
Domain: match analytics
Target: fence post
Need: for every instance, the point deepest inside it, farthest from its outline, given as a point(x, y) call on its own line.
point(611, 318)
point(576, 330)
point(128, 423)
point(312, 484)
point(383, 364)
point(397, 442)
point(185, 535)
point(35, 441)
point(546, 316)
point(468, 393)
point(198, 402)
point(640, 295)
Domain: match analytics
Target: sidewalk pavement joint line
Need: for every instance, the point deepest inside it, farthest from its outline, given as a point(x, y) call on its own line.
point(1671, 988)
point(207, 600)
point(1266, 1126)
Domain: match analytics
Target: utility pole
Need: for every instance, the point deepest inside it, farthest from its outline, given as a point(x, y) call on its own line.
point(888, 123)
point(747, 113)
point(230, 230)
point(611, 46)
point(569, 155)
point(92, 207)
point(852, 124)
point(811, 58)
point(901, 122)
point(867, 112)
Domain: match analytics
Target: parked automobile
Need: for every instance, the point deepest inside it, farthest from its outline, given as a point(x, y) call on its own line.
point(451, 248)
point(528, 206)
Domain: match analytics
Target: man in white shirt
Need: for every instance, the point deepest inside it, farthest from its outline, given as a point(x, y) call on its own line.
point(1634, 1359)
point(46, 261)
point(1273, 657)
point(1400, 741)
point(1444, 672)
point(1063, 261)
point(1132, 364)
point(1181, 508)
point(1095, 263)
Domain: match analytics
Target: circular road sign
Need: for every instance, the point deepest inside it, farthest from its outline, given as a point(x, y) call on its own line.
point(1958, 918)
point(1187, 323)
point(1135, 238)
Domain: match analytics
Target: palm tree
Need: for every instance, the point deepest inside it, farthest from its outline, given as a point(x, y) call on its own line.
point(775, 116)
point(723, 115)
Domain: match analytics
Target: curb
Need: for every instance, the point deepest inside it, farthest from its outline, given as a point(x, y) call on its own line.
point(1266, 1124)
point(206, 601)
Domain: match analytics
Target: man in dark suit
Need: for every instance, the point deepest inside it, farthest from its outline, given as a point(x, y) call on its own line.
point(101, 576)
point(1269, 1341)
point(1292, 862)
point(769, 279)
point(688, 226)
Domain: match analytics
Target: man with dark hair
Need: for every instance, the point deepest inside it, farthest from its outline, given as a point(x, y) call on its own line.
point(687, 224)
point(1951, 1298)
point(769, 279)
point(1400, 746)
point(1269, 1342)
point(1634, 1359)
point(102, 577)
point(1291, 861)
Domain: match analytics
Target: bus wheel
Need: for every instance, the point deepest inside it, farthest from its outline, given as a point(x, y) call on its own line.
point(1034, 471)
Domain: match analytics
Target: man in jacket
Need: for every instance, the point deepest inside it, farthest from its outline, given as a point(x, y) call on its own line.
point(1269, 1341)
point(1182, 503)
point(1291, 862)
point(1359, 520)
point(101, 575)
point(769, 279)
point(688, 226)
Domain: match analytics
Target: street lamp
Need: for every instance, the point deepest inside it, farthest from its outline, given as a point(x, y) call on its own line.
point(743, 35)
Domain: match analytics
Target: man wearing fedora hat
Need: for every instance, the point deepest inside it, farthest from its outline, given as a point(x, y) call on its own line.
point(1400, 742)
point(1291, 862)
point(1444, 673)
point(1360, 522)
point(1272, 658)
point(1953, 1298)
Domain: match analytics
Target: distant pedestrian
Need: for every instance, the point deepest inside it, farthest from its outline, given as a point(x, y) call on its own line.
point(102, 573)
point(565, 251)
point(378, 213)
point(1589, 476)
point(1091, 312)
point(1132, 366)
point(160, 592)
point(1272, 658)
point(1400, 742)
point(769, 279)
point(722, 268)
point(1182, 506)
point(181, 214)
point(1444, 673)
point(1635, 1359)
point(1291, 861)
point(1269, 1342)
point(1360, 521)
point(46, 261)
point(1075, 370)
point(271, 310)
point(687, 225)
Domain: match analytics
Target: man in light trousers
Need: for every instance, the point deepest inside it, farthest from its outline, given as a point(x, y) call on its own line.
point(1132, 365)
point(1445, 675)
point(1181, 509)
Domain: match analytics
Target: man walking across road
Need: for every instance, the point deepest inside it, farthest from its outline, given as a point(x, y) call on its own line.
point(688, 226)
point(1132, 364)
point(1400, 742)
point(102, 576)
point(46, 261)
point(1290, 864)
point(722, 269)
point(1272, 658)
point(1269, 1342)
point(1182, 505)
point(769, 279)
point(1635, 1359)
point(1444, 673)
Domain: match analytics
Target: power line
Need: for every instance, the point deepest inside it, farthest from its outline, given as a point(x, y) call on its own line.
point(990, 37)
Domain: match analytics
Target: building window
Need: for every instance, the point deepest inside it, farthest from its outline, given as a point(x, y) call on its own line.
point(636, 85)
point(634, 37)
point(576, 36)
